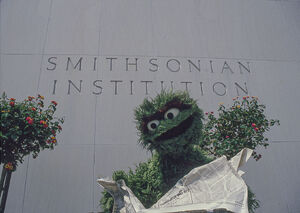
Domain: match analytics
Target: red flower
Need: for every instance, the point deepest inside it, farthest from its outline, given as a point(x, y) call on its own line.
point(227, 136)
point(53, 139)
point(211, 112)
point(59, 127)
point(256, 129)
point(9, 166)
point(253, 125)
point(33, 109)
point(206, 113)
point(30, 98)
point(244, 97)
point(258, 157)
point(12, 103)
point(42, 122)
point(41, 97)
point(12, 99)
point(30, 121)
point(45, 125)
point(54, 103)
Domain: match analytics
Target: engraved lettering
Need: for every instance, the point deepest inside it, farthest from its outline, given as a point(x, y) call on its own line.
point(111, 63)
point(95, 63)
point(131, 64)
point(131, 87)
point(95, 83)
point(116, 85)
point(201, 88)
point(155, 66)
point(54, 87)
point(226, 67)
point(191, 64)
point(146, 86)
point(211, 66)
point(74, 67)
point(222, 88)
point(173, 65)
point(52, 60)
point(186, 84)
point(244, 67)
point(238, 88)
point(162, 85)
point(76, 88)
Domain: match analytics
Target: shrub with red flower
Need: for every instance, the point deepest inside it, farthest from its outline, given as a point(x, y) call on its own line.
point(26, 127)
point(239, 126)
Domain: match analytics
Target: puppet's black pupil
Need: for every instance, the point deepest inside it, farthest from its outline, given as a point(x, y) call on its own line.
point(170, 115)
point(153, 125)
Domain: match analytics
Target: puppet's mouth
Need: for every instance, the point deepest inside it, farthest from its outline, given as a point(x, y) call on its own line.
point(178, 130)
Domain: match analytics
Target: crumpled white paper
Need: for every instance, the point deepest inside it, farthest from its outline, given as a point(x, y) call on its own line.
point(215, 185)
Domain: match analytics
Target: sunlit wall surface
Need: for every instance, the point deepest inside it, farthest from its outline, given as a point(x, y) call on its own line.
point(100, 58)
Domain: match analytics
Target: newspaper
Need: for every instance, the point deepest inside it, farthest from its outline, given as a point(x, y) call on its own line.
point(216, 185)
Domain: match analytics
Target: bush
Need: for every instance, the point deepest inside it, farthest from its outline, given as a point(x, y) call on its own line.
point(26, 127)
point(240, 126)
point(145, 182)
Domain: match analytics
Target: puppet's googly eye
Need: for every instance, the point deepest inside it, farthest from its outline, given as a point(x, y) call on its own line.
point(171, 113)
point(152, 125)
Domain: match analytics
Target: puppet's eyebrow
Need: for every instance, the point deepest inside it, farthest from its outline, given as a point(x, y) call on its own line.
point(156, 116)
point(160, 113)
point(178, 104)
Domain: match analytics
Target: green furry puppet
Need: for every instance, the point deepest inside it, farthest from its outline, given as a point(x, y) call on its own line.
point(170, 126)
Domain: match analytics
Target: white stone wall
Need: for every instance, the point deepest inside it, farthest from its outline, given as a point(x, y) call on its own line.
point(244, 47)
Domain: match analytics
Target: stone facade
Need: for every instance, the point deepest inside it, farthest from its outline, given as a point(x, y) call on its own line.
point(99, 58)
